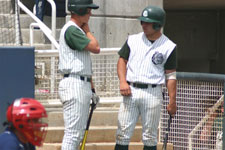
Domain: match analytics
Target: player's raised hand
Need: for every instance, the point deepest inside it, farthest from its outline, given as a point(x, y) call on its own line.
point(85, 27)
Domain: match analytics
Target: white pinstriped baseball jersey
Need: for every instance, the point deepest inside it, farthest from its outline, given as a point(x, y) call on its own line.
point(75, 94)
point(73, 61)
point(146, 59)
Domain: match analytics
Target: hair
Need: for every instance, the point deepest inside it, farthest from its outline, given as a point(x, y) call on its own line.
point(9, 125)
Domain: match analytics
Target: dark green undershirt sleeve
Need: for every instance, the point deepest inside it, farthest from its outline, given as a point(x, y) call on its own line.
point(171, 62)
point(76, 39)
point(125, 51)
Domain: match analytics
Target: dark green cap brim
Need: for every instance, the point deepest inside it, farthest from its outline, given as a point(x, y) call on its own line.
point(93, 6)
point(144, 19)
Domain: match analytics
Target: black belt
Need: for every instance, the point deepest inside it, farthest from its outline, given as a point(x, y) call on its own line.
point(81, 77)
point(141, 85)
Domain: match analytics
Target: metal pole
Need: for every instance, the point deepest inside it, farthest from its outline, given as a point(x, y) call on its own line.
point(53, 20)
point(43, 27)
point(223, 122)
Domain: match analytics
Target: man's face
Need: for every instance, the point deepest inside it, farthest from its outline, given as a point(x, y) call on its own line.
point(86, 17)
point(148, 28)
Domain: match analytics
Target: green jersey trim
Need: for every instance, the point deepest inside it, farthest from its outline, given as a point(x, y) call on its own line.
point(75, 39)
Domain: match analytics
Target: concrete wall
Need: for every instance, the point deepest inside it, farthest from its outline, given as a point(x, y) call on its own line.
point(17, 76)
point(199, 31)
point(116, 19)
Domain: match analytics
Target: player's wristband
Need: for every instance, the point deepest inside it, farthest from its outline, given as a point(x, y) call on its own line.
point(93, 90)
point(171, 76)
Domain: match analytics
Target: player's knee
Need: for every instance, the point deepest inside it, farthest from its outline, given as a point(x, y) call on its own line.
point(121, 147)
point(149, 147)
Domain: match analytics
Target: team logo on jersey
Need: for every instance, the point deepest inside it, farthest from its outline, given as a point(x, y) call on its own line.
point(157, 58)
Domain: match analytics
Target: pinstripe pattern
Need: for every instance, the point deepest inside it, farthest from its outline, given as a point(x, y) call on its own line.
point(73, 61)
point(141, 101)
point(145, 65)
point(140, 66)
point(74, 93)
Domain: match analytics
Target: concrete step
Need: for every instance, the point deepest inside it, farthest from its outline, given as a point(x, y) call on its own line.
point(102, 131)
point(7, 35)
point(93, 146)
point(101, 117)
point(59, 109)
point(39, 46)
point(95, 134)
point(7, 6)
point(55, 104)
point(27, 20)
point(6, 20)
point(38, 36)
point(103, 146)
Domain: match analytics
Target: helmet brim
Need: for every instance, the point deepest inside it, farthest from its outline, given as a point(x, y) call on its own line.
point(92, 6)
point(144, 19)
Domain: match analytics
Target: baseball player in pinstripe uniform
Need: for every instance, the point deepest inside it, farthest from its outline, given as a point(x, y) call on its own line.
point(147, 60)
point(76, 88)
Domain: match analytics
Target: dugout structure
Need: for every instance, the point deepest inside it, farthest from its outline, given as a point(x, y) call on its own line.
point(16, 77)
point(196, 94)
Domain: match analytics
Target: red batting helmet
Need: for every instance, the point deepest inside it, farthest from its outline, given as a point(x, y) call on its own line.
point(26, 116)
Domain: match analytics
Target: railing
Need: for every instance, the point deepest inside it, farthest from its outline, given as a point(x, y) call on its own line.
point(197, 93)
point(49, 33)
point(104, 66)
point(203, 122)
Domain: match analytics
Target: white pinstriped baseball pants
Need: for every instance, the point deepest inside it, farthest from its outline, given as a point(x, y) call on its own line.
point(145, 103)
point(75, 95)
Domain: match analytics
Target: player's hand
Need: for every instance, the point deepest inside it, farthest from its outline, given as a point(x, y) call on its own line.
point(85, 28)
point(95, 98)
point(125, 89)
point(172, 108)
